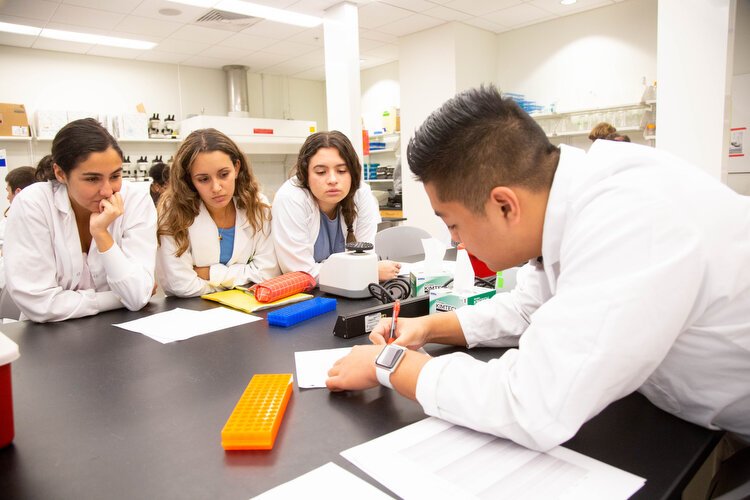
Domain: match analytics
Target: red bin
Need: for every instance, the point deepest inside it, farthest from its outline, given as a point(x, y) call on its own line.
point(8, 354)
point(480, 268)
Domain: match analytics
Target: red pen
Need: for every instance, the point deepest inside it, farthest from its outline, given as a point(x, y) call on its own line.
point(396, 310)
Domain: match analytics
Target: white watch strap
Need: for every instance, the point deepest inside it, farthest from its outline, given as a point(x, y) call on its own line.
point(384, 376)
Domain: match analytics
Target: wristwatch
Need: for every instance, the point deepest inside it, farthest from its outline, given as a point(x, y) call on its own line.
point(387, 362)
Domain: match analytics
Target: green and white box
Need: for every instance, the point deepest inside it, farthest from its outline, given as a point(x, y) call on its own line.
point(444, 299)
point(422, 283)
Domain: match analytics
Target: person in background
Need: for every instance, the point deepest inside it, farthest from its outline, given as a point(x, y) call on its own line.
point(617, 137)
point(16, 180)
point(159, 173)
point(601, 131)
point(631, 286)
point(84, 241)
point(45, 168)
point(323, 206)
point(214, 223)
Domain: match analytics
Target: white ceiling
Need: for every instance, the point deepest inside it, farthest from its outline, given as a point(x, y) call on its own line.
point(264, 46)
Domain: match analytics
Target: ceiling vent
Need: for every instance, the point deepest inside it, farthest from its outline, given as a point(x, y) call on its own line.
point(229, 21)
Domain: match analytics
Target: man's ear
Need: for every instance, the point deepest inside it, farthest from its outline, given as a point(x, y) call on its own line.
point(59, 174)
point(506, 202)
point(18, 190)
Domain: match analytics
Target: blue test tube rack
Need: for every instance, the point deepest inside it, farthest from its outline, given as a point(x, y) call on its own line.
point(296, 313)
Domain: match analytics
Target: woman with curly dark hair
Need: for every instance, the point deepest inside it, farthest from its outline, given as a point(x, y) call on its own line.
point(214, 223)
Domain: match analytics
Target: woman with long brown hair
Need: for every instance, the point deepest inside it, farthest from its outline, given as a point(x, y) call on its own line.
point(214, 223)
point(324, 206)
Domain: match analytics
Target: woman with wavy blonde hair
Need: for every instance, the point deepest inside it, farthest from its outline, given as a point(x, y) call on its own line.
point(214, 223)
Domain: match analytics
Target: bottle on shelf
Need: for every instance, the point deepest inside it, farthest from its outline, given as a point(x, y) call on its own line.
point(154, 127)
point(127, 167)
point(649, 94)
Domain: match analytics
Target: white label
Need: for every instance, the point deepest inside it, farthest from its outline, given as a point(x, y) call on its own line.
point(371, 321)
point(19, 131)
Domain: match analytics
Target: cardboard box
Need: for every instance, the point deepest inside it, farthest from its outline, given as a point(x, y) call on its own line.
point(422, 283)
point(13, 121)
point(444, 299)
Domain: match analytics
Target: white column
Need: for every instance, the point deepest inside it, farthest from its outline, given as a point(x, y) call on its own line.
point(693, 71)
point(341, 39)
point(434, 65)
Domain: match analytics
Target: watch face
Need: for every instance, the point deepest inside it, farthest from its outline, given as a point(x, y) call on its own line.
point(389, 357)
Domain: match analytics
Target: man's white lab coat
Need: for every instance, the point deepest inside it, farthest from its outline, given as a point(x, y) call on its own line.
point(644, 285)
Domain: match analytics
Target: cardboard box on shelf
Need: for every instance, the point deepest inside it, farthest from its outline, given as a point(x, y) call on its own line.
point(13, 120)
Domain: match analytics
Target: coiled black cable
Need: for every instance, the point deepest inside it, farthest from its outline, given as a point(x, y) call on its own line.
point(391, 290)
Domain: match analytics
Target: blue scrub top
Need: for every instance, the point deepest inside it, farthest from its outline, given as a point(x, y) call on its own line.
point(226, 244)
point(330, 238)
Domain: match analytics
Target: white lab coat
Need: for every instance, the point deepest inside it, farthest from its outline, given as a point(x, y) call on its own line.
point(44, 262)
point(645, 285)
point(253, 258)
point(296, 224)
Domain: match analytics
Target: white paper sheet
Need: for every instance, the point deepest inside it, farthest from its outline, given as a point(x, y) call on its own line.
point(313, 366)
point(438, 460)
point(328, 481)
point(181, 324)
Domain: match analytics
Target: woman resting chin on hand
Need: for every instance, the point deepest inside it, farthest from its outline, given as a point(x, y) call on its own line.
point(84, 241)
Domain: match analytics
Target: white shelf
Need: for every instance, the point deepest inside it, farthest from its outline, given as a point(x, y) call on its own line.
point(586, 132)
point(623, 107)
point(380, 151)
point(11, 138)
point(378, 181)
point(384, 137)
point(120, 141)
point(579, 122)
point(149, 140)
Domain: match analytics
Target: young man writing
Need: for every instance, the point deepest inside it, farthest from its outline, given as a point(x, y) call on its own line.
point(638, 279)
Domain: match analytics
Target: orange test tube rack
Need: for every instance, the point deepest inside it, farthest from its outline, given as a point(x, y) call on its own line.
point(256, 418)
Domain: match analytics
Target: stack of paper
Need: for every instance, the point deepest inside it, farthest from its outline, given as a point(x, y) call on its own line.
point(438, 460)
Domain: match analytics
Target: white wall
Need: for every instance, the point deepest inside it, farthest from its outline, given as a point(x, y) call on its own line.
point(738, 177)
point(476, 60)
point(694, 73)
point(425, 85)
point(434, 65)
point(597, 58)
point(381, 90)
